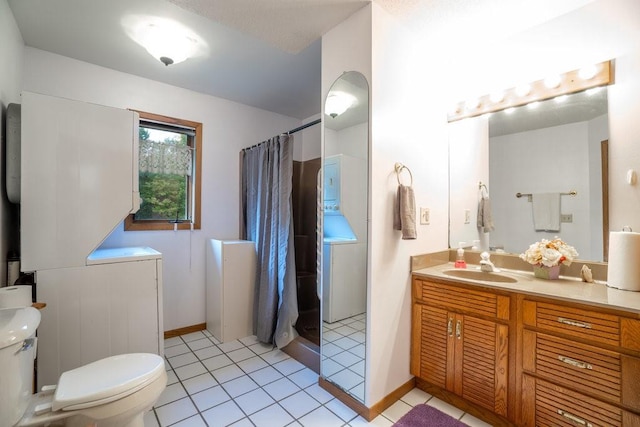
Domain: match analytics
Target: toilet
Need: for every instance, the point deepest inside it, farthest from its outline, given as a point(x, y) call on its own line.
point(111, 392)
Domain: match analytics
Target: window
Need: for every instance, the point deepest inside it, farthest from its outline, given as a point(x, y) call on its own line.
point(170, 168)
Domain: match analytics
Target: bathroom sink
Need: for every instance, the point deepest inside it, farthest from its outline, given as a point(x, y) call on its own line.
point(479, 275)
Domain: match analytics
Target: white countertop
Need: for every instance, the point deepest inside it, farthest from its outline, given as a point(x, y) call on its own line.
point(126, 254)
point(566, 288)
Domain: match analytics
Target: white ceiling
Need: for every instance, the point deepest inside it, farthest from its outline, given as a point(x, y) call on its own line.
point(263, 53)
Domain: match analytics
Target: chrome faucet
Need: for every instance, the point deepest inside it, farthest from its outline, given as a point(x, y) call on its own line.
point(486, 264)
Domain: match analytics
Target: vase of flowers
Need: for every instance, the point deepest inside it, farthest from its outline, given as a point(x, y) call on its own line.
point(546, 256)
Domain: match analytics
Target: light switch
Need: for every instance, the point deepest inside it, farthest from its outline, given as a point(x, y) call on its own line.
point(424, 216)
point(467, 216)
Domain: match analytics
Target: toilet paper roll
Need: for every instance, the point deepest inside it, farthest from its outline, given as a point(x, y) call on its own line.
point(15, 296)
point(623, 271)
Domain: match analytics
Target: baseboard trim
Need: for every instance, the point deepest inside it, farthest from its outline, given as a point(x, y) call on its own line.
point(365, 412)
point(305, 352)
point(391, 398)
point(186, 330)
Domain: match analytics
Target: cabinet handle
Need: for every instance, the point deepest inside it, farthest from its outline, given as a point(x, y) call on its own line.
point(459, 329)
point(450, 327)
point(574, 362)
point(574, 323)
point(575, 419)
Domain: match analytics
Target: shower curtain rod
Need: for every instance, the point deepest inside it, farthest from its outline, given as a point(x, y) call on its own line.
point(304, 126)
point(314, 122)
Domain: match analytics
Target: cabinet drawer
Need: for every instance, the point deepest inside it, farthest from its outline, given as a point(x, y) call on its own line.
point(546, 404)
point(462, 299)
point(577, 322)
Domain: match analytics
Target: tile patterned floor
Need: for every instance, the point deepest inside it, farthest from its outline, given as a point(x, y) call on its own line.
point(343, 355)
point(245, 383)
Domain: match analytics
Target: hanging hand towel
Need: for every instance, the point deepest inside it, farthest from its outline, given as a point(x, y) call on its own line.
point(546, 211)
point(485, 219)
point(404, 213)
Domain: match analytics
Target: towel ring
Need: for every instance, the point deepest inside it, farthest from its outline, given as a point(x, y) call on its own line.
point(399, 167)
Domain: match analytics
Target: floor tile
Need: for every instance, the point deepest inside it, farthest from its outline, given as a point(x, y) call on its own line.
point(240, 385)
point(170, 394)
point(346, 378)
point(321, 417)
point(227, 373)
point(170, 342)
point(171, 377)
point(217, 362)
point(183, 359)
point(445, 407)
point(299, 404)
point(304, 378)
point(379, 421)
point(274, 356)
point(281, 388)
point(341, 410)
point(250, 340)
point(318, 393)
point(176, 350)
point(190, 371)
point(223, 415)
point(200, 344)
point(472, 421)
point(254, 401)
point(245, 422)
point(346, 358)
point(230, 346)
point(260, 348)
point(288, 366)
point(199, 383)
point(265, 375)
point(346, 343)
point(252, 364)
point(150, 420)
point(195, 421)
point(207, 352)
point(210, 397)
point(240, 354)
point(272, 416)
point(416, 397)
point(194, 336)
point(397, 410)
point(176, 411)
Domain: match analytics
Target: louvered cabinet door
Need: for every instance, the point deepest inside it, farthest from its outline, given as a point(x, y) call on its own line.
point(430, 344)
point(481, 354)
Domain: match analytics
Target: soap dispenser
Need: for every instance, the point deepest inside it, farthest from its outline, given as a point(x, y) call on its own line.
point(460, 262)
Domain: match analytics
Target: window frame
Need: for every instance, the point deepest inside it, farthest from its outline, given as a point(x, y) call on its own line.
point(194, 185)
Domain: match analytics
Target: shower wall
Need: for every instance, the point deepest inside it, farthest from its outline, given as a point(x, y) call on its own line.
point(304, 198)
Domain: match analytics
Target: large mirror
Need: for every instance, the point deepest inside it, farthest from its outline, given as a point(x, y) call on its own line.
point(556, 146)
point(344, 254)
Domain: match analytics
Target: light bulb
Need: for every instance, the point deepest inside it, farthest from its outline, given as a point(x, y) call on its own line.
point(472, 103)
point(497, 96)
point(552, 82)
point(523, 90)
point(588, 72)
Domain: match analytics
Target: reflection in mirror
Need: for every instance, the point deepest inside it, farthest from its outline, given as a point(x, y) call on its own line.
point(344, 252)
point(554, 146)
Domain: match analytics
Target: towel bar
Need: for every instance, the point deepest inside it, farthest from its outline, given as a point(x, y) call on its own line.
point(398, 168)
point(570, 193)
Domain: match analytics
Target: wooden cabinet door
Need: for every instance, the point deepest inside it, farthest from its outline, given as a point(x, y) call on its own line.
point(481, 362)
point(430, 354)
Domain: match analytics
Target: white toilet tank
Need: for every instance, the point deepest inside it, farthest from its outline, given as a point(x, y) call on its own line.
point(17, 353)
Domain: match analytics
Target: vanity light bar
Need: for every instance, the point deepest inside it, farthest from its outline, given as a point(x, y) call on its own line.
point(570, 82)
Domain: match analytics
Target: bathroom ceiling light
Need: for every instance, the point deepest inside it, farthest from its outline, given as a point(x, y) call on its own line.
point(540, 90)
point(166, 40)
point(337, 103)
point(472, 104)
point(497, 96)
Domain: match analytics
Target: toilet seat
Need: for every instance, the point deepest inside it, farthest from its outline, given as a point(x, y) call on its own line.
point(106, 380)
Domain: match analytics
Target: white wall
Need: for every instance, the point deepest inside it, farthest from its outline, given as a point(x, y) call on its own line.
point(549, 160)
point(11, 65)
point(227, 128)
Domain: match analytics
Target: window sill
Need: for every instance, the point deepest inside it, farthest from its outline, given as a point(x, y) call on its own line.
point(130, 224)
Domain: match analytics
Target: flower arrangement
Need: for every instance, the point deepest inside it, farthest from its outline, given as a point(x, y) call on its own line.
point(550, 253)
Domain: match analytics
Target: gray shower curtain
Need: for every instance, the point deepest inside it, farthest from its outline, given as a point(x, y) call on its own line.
point(267, 171)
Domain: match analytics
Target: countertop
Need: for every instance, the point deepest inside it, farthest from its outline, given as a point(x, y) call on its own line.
point(566, 288)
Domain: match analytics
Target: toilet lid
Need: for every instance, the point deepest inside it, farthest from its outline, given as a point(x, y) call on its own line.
point(106, 380)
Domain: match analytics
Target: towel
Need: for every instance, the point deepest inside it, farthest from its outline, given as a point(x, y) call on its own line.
point(404, 212)
point(485, 219)
point(546, 211)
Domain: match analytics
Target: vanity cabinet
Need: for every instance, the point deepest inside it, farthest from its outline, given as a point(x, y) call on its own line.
point(460, 341)
point(580, 365)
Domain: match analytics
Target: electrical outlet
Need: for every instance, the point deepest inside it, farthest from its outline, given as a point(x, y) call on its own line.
point(566, 218)
point(467, 216)
point(424, 216)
